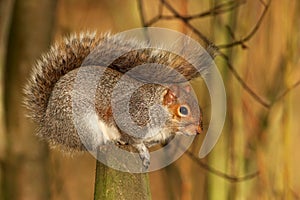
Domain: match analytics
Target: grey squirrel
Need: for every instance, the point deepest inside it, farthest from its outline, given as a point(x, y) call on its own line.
point(49, 100)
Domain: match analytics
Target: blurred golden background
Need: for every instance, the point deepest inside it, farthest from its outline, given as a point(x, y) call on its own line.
point(261, 133)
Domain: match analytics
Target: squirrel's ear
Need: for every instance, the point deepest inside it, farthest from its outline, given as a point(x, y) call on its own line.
point(170, 95)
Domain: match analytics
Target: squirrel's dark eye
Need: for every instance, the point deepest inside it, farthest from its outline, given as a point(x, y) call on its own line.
point(183, 110)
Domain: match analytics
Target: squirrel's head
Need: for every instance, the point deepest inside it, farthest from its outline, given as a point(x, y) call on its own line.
point(185, 115)
point(166, 109)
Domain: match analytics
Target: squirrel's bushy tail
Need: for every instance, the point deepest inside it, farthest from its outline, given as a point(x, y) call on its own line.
point(62, 58)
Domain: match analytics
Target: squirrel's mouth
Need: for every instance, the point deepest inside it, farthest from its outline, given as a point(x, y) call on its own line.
point(192, 129)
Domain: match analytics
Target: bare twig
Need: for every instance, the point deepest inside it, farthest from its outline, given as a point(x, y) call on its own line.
point(283, 94)
point(252, 32)
point(243, 83)
point(218, 9)
point(219, 173)
point(230, 31)
point(141, 11)
point(186, 22)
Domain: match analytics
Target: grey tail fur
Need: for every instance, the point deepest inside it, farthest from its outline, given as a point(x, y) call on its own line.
point(62, 58)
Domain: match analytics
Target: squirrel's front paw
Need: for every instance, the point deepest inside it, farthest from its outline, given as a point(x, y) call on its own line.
point(146, 161)
point(144, 154)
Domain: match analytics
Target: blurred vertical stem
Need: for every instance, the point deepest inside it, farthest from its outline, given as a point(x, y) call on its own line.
point(26, 159)
point(236, 137)
point(217, 187)
point(288, 110)
point(111, 184)
point(228, 149)
point(5, 16)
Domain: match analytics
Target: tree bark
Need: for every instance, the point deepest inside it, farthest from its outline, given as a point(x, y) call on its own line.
point(26, 163)
point(111, 184)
